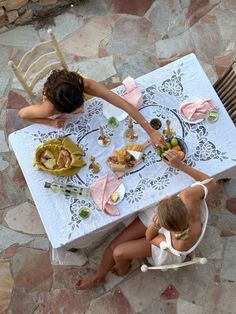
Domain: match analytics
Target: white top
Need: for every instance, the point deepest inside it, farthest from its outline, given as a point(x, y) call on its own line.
point(204, 219)
point(211, 149)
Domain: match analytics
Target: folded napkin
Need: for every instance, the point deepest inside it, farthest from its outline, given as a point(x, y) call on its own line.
point(101, 191)
point(132, 94)
point(195, 110)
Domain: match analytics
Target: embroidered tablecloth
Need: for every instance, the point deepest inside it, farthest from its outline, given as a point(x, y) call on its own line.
point(211, 149)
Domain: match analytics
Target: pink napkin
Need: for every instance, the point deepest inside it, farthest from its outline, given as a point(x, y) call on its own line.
point(195, 110)
point(132, 94)
point(101, 191)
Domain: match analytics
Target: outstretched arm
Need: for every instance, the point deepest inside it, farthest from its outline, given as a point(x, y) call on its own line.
point(96, 89)
point(196, 192)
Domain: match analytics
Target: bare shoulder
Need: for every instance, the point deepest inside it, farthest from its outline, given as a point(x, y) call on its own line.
point(192, 199)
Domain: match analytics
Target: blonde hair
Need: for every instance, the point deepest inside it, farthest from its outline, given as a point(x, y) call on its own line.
point(173, 216)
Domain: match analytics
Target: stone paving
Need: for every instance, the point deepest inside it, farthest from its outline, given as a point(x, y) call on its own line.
point(109, 40)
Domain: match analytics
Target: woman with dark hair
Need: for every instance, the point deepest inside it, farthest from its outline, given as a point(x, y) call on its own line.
point(164, 235)
point(65, 92)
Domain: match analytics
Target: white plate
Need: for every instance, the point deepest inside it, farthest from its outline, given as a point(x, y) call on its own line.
point(112, 111)
point(121, 192)
point(184, 118)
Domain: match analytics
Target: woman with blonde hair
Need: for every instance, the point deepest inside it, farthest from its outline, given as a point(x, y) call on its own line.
point(168, 236)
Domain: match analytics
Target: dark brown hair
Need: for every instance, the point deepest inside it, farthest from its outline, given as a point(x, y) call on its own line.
point(173, 216)
point(64, 89)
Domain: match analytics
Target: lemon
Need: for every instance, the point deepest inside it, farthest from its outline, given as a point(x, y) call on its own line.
point(174, 141)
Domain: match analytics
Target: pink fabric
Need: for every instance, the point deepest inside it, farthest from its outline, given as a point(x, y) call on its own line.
point(132, 94)
point(101, 191)
point(195, 110)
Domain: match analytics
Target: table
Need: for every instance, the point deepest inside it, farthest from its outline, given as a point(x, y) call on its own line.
point(211, 149)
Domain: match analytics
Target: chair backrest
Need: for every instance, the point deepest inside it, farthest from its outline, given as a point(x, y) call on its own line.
point(37, 63)
point(226, 90)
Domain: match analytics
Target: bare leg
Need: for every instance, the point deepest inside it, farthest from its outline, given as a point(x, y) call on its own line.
point(135, 230)
point(125, 252)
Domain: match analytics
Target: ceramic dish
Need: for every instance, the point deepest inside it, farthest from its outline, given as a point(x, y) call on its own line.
point(181, 144)
point(112, 111)
point(121, 192)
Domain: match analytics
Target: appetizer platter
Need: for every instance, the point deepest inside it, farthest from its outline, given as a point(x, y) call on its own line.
point(124, 159)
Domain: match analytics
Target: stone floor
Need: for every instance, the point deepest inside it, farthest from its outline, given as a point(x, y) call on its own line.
point(109, 40)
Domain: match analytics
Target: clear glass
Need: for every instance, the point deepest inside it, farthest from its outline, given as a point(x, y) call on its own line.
point(212, 115)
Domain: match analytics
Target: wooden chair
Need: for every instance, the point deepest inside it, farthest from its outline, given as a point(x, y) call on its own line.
point(192, 260)
point(226, 89)
point(36, 64)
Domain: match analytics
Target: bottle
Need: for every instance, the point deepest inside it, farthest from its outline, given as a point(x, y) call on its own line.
point(67, 189)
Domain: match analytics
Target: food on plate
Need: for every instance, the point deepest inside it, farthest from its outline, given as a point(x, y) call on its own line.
point(114, 197)
point(47, 159)
point(135, 147)
point(175, 144)
point(64, 159)
point(126, 157)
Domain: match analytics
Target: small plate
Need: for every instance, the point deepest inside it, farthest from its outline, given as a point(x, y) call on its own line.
point(184, 118)
point(121, 192)
point(112, 111)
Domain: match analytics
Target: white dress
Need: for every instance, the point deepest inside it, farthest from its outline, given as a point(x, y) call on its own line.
point(160, 256)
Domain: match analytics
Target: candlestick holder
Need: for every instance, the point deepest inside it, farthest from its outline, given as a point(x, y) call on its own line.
point(103, 140)
point(94, 166)
point(168, 132)
point(130, 134)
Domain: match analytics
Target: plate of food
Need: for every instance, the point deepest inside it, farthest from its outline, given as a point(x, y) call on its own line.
point(174, 143)
point(117, 195)
point(110, 111)
point(127, 157)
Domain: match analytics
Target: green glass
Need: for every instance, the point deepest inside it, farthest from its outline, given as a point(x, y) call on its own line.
point(84, 213)
point(113, 122)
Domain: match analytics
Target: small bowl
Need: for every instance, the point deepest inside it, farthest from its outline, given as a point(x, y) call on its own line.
point(181, 143)
point(155, 123)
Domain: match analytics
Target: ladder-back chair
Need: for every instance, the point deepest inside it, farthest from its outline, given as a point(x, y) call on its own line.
point(225, 87)
point(37, 63)
point(193, 260)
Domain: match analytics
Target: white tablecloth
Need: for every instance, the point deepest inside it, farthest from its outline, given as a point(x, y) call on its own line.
point(211, 148)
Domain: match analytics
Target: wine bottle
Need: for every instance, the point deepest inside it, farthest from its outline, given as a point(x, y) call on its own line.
point(68, 189)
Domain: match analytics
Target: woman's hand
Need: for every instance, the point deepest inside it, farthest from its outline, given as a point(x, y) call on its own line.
point(157, 139)
point(155, 221)
point(58, 122)
point(172, 159)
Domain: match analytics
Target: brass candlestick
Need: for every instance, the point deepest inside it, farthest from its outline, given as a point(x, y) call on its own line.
point(103, 140)
point(94, 166)
point(130, 134)
point(168, 132)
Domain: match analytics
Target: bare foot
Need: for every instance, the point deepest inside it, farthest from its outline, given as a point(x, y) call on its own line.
point(89, 282)
point(121, 271)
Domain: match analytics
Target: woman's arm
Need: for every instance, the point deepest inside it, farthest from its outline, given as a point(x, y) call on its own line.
point(96, 89)
point(173, 159)
point(153, 229)
point(41, 113)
